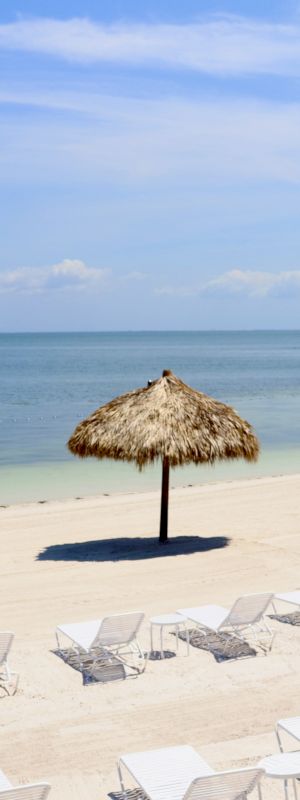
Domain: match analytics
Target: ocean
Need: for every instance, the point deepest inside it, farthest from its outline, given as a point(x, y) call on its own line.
point(50, 381)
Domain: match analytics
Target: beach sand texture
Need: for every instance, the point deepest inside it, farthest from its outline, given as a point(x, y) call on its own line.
point(57, 566)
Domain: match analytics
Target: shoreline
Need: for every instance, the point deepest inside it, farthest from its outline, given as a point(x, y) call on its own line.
point(48, 481)
point(97, 499)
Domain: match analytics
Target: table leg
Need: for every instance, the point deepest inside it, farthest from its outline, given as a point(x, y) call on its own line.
point(295, 789)
point(151, 638)
point(286, 794)
point(259, 794)
point(161, 642)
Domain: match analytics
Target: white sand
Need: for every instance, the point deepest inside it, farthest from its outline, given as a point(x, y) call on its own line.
point(57, 729)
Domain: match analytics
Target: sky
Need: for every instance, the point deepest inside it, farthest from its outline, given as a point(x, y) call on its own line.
point(150, 165)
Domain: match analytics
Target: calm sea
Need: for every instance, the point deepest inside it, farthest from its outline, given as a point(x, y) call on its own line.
point(48, 382)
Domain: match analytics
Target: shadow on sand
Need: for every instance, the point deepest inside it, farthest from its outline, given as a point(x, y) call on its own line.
point(131, 549)
point(158, 655)
point(104, 671)
point(223, 646)
point(293, 618)
point(131, 794)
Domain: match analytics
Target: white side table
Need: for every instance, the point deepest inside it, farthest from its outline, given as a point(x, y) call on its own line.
point(286, 767)
point(169, 621)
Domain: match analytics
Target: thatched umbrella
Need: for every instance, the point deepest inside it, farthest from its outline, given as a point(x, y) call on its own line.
point(166, 420)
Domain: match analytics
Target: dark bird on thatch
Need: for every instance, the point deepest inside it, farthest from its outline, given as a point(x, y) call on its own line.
point(166, 420)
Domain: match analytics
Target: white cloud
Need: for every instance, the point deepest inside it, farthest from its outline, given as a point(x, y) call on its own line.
point(67, 274)
point(255, 283)
point(248, 282)
point(217, 45)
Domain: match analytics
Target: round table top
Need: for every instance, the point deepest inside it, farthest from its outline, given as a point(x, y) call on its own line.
point(282, 765)
point(168, 619)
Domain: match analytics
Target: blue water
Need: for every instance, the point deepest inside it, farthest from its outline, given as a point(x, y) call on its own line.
point(51, 381)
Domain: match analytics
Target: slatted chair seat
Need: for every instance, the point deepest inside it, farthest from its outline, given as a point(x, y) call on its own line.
point(180, 773)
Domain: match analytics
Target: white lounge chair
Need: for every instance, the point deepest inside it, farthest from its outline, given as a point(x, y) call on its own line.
point(291, 725)
point(113, 637)
point(174, 773)
point(247, 616)
point(27, 791)
point(6, 673)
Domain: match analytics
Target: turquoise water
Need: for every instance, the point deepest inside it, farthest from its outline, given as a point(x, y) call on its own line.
point(51, 381)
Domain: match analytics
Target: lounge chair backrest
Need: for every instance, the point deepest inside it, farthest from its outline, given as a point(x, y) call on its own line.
point(248, 609)
point(231, 785)
point(30, 791)
point(6, 639)
point(118, 629)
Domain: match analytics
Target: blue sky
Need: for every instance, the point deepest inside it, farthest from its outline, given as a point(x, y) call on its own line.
point(150, 165)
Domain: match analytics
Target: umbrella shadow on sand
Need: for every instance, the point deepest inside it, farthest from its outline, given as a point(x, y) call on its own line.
point(131, 548)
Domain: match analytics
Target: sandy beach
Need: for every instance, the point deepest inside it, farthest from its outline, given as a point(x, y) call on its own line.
point(80, 559)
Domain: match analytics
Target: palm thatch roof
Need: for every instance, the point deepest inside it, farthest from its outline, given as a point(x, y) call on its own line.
point(165, 420)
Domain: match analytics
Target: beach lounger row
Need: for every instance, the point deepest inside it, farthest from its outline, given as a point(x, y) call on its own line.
point(180, 773)
point(116, 636)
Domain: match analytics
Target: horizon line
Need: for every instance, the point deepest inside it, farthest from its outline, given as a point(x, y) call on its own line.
point(151, 330)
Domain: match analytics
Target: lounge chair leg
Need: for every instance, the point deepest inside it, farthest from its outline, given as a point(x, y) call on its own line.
point(123, 790)
point(143, 656)
point(136, 648)
point(17, 682)
point(8, 683)
point(136, 652)
point(259, 792)
point(79, 653)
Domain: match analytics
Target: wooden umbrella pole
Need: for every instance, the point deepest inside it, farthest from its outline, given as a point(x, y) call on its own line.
point(163, 532)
